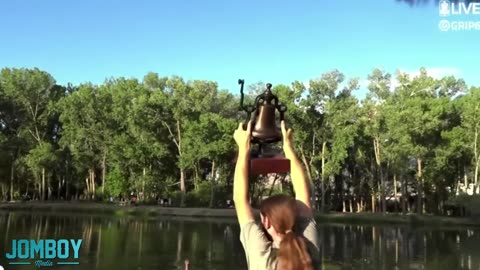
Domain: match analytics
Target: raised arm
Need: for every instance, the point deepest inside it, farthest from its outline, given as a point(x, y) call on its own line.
point(297, 173)
point(240, 181)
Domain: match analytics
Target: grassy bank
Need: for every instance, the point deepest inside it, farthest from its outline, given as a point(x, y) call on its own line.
point(390, 218)
point(146, 211)
point(115, 209)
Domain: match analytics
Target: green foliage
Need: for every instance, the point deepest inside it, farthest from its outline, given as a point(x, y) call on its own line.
point(41, 156)
point(117, 184)
point(163, 136)
point(471, 203)
point(176, 197)
point(201, 196)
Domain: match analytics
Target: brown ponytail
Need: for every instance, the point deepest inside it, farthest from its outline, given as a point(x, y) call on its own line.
point(292, 253)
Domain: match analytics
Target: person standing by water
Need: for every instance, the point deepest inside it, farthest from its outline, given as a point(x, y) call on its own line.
point(288, 221)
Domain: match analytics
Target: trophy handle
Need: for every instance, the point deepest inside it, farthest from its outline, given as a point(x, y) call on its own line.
point(282, 109)
point(249, 109)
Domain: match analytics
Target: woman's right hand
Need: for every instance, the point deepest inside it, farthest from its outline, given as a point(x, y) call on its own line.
point(287, 138)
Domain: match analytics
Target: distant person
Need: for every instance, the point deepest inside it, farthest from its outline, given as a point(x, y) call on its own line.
point(289, 238)
point(133, 199)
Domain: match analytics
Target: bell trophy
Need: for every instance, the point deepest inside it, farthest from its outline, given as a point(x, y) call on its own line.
point(265, 132)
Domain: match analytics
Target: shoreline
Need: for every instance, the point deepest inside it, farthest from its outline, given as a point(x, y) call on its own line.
point(228, 214)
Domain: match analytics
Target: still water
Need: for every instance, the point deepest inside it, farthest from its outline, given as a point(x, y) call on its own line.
point(129, 243)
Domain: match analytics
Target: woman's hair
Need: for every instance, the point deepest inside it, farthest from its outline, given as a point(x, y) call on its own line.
point(281, 212)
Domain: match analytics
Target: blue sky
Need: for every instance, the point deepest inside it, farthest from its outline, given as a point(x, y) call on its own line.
point(270, 41)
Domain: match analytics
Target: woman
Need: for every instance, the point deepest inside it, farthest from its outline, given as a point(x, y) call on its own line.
point(288, 221)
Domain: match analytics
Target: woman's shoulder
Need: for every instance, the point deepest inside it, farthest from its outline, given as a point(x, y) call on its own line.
point(252, 236)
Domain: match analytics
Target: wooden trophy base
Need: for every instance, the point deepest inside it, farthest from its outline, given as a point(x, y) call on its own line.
point(265, 160)
point(271, 164)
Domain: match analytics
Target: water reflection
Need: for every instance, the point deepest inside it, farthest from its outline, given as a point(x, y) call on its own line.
point(130, 243)
point(359, 247)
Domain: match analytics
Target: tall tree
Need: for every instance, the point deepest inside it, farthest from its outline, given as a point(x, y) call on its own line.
point(379, 92)
point(34, 94)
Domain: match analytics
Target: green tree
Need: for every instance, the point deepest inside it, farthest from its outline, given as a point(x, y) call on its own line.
point(34, 95)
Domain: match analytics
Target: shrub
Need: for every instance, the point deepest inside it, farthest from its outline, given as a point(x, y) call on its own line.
point(176, 197)
point(199, 197)
point(471, 203)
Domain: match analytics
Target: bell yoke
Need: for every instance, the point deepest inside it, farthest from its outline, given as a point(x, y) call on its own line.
point(265, 132)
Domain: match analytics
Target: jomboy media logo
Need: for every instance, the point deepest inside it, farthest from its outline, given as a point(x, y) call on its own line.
point(45, 252)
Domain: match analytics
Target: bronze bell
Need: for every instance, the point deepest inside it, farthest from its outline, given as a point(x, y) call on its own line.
point(265, 129)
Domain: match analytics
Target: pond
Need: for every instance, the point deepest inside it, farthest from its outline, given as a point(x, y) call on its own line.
point(132, 243)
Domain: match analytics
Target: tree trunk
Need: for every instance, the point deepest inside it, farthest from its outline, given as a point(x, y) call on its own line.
point(182, 187)
point(404, 195)
point(382, 191)
point(273, 185)
point(420, 208)
point(182, 171)
point(310, 179)
point(60, 186)
point(143, 183)
point(12, 176)
point(476, 174)
point(212, 185)
point(197, 178)
point(178, 143)
point(49, 186)
point(376, 148)
point(104, 169)
point(91, 184)
point(39, 186)
point(43, 184)
point(351, 205)
point(4, 192)
point(395, 192)
point(324, 147)
point(373, 201)
point(307, 165)
point(67, 188)
point(87, 183)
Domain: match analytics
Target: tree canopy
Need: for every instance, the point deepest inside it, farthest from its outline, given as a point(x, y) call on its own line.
point(414, 145)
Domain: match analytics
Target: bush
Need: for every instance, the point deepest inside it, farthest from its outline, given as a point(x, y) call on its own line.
point(471, 203)
point(176, 197)
point(199, 197)
point(116, 183)
point(100, 196)
point(277, 191)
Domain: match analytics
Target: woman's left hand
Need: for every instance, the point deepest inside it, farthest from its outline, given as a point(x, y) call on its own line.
point(242, 137)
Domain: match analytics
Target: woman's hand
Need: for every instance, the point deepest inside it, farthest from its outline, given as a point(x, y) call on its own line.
point(242, 137)
point(287, 139)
